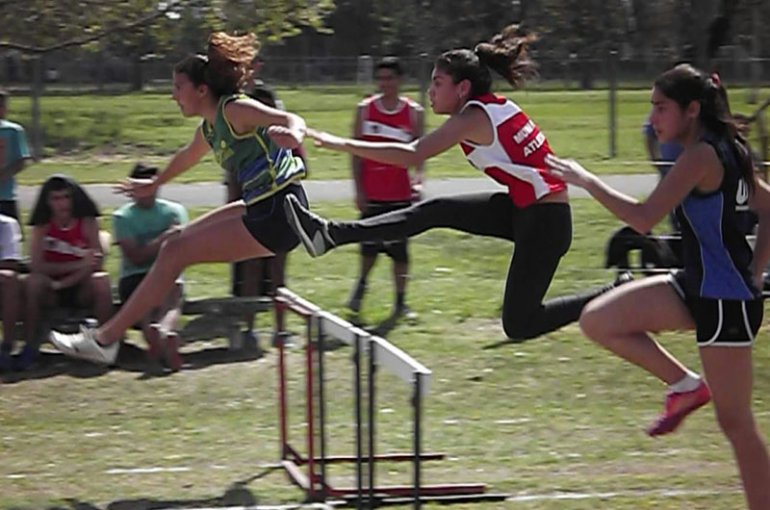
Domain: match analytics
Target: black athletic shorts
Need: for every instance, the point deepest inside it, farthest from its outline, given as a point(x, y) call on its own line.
point(396, 250)
point(267, 223)
point(721, 322)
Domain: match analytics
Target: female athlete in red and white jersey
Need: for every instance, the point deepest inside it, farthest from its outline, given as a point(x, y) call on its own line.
point(500, 140)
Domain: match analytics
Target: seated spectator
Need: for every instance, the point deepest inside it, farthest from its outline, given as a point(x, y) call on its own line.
point(10, 288)
point(140, 228)
point(66, 257)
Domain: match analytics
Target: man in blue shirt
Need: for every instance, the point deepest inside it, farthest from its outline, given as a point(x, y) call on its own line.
point(140, 229)
point(14, 153)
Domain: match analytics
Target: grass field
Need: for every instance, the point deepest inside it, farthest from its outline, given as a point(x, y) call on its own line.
point(556, 415)
point(97, 138)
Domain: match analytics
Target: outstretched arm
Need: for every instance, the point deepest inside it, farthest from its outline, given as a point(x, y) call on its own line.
point(184, 159)
point(694, 167)
point(470, 125)
point(246, 115)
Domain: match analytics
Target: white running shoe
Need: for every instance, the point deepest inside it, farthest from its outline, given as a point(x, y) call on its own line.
point(83, 345)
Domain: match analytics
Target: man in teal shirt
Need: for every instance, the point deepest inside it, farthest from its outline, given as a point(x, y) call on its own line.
point(14, 153)
point(140, 229)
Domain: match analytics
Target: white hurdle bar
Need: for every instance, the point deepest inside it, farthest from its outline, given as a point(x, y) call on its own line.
point(379, 353)
point(387, 355)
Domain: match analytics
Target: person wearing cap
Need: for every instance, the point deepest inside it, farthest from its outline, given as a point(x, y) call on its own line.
point(141, 227)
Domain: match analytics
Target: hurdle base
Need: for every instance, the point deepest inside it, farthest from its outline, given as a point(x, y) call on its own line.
point(406, 492)
point(390, 457)
point(476, 497)
point(386, 494)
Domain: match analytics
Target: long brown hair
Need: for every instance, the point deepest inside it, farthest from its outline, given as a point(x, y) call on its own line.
point(226, 67)
point(505, 53)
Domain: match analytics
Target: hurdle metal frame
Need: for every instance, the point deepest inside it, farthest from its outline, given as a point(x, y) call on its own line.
point(377, 352)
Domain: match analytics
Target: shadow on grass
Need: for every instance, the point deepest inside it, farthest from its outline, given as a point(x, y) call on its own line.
point(130, 359)
point(237, 495)
point(389, 323)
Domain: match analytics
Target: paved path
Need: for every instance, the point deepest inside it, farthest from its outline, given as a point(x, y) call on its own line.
point(213, 193)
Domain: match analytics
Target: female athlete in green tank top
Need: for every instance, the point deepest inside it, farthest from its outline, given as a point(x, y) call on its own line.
point(248, 138)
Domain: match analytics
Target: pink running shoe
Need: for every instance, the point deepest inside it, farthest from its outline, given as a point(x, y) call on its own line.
point(678, 406)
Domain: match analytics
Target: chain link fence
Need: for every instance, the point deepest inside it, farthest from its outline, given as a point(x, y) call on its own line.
point(98, 71)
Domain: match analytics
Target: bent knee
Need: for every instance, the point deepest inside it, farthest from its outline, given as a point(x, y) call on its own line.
point(593, 323)
point(8, 276)
point(100, 281)
point(601, 324)
point(175, 245)
point(519, 327)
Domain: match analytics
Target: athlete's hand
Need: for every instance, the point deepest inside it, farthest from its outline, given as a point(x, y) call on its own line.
point(284, 137)
point(326, 140)
point(569, 170)
point(136, 188)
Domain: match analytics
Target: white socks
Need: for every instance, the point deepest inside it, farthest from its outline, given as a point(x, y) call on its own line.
point(689, 382)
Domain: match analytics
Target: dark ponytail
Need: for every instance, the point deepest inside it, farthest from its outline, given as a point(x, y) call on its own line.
point(505, 53)
point(226, 67)
point(685, 84)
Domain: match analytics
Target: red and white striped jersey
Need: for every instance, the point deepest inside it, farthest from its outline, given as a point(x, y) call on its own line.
point(383, 182)
point(62, 244)
point(516, 157)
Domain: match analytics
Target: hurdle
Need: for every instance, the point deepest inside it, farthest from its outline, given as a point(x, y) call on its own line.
point(370, 353)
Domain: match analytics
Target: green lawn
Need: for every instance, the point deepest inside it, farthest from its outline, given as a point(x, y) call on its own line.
point(96, 138)
point(554, 415)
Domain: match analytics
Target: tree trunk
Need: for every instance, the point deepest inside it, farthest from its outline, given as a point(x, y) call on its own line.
point(99, 65)
point(137, 78)
point(37, 90)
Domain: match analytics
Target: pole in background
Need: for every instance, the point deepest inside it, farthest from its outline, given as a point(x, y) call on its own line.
point(613, 86)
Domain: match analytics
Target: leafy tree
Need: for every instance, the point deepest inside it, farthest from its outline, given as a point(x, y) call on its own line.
point(62, 24)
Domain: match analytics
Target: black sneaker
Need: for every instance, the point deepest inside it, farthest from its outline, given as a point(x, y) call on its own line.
point(311, 229)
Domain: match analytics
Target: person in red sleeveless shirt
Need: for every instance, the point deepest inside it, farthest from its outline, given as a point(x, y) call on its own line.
point(383, 187)
point(501, 141)
point(65, 255)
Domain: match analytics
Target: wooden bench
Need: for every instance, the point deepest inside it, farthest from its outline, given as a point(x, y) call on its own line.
point(221, 317)
point(217, 317)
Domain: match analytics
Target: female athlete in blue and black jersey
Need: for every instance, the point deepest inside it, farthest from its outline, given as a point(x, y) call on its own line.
point(717, 293)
